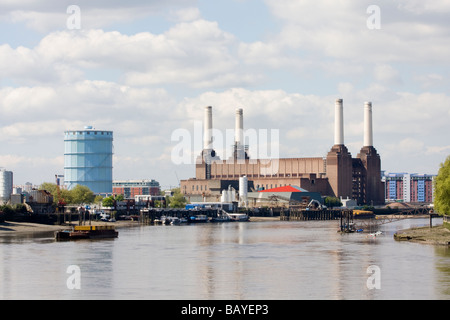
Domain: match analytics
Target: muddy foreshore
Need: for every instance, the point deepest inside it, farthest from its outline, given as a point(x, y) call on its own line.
point(437, 235)
point(8, 228)
point(13, 228)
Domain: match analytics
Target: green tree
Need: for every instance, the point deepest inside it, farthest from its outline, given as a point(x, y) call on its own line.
point(442, 189)
point(79, 194)
point(98, 199)
point(108, 201)
point(52, 188)
point(332, 202)
point(177, 200)
point(82, 194)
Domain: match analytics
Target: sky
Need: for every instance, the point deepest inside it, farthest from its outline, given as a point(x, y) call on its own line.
point(146, 69)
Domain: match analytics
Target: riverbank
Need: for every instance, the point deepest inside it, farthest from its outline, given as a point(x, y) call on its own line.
point(9, 227)
point(438, 235)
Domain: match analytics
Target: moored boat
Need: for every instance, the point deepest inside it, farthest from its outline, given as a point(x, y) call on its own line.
point(238, 217)
point(88, 232)
point(201, 218)
point(222, 218)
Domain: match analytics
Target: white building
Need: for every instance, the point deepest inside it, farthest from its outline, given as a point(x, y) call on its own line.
point(6, 185)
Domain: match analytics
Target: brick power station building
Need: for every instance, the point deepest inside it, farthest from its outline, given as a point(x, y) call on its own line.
point(337, 174)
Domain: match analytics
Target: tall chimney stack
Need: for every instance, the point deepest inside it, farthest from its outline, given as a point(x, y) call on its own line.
point(338, 123)
point(239, 135)
point(239, 127)
point(207, 129)
point(368, 134)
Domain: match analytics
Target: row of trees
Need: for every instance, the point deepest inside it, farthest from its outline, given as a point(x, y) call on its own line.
point(83, 195)
point(78, 195)
point(442, 189)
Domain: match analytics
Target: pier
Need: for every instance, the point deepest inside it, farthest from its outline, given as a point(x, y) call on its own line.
point(303, 215)
point(150, 215)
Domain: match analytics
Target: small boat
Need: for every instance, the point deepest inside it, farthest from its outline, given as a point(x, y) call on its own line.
point(176, 220)
point(201, 218)
point(222, 218)
point(240, 217)
point(87, 232)
point(375, 234)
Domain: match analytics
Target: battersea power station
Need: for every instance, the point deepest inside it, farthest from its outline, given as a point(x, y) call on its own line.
point(336, 174)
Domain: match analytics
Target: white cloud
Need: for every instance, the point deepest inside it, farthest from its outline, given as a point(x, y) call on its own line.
point(387, 75)
point(338, 30)
point(186, 14)
point(431, 80)
point(47, 16)
point(144, 84)
point(196, 54)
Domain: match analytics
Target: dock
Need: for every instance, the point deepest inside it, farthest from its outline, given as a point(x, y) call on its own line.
point(304, 215)
point(150, 216)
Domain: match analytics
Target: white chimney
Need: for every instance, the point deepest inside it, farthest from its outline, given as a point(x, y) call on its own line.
point(239, 127)
point(368, 135)
point(338, 123)
point(239, 134)
point(207, 129)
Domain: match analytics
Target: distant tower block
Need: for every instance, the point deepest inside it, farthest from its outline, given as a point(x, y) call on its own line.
point(88, 159)
point(6, 185)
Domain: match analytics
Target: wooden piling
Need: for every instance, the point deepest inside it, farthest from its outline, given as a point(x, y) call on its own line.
point(306, 215)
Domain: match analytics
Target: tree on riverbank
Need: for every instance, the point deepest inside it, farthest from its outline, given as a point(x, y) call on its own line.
point(442, 189)
point(79, 194)
point(177, 200)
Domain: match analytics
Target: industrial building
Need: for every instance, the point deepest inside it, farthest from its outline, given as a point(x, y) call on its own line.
point(88, 160)
point(406, 187)
point(337, 174)
point(6, 185)
point(132, 188)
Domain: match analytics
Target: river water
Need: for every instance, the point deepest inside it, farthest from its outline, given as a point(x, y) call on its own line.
point(247, 260)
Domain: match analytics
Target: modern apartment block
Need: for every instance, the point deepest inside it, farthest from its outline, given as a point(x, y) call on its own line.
point(407, 187)
point(131, 188)
point(6, 185)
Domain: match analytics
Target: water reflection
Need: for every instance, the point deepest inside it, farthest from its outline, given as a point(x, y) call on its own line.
point(257, 260)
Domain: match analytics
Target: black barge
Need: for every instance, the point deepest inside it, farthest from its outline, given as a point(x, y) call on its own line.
point(88, 232)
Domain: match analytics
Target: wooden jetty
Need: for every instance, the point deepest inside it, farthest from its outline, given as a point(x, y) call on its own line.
point(153, 216)
point(303, 215)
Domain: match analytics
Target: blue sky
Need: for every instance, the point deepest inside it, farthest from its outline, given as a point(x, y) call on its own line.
point(145, 69)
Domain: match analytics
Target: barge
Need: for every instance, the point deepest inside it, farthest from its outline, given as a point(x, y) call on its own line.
point(363, 214)
point(88, 232)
